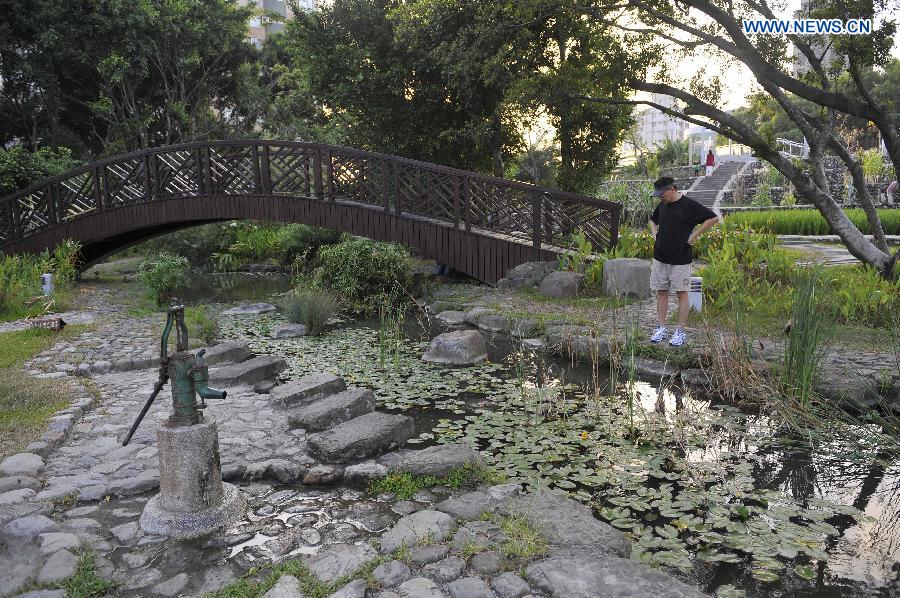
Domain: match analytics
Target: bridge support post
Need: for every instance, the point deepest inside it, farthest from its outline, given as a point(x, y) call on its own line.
point(536, 222)
point(317, 174)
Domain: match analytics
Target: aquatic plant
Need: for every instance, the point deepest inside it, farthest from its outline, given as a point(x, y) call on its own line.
point(311, 307)
point(806, 343)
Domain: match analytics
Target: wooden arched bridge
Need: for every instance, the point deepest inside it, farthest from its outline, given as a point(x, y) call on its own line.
point(476, 224)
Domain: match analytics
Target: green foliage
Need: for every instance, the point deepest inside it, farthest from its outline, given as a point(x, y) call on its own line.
point(579, 255)
point(20, 280)
point(673, 152)
point(805, 347)
point(203, 323)
point(521, 540)
point(811, 222)
point(873, 165)
point(859, 295)
point(310, 307)
point(20, 168)
point(404, 485)
point(636, 200)
point(163, 276)
point(365, 273)
point(87, 582)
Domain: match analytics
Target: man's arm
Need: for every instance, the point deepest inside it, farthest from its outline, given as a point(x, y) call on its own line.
point(706, 224)
point(652, 228)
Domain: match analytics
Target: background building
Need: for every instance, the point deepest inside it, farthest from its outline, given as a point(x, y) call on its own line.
point(261, 27)
point(818, 43)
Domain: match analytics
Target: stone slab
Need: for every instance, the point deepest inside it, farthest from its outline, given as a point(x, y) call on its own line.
point(229, 351)
point(337, 560)
point(412, 529)
point(306, 390)
point(248, 372)
point(333, 410)
point(360, 438)
point(435, 460)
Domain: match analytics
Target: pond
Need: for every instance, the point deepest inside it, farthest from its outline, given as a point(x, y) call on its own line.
point(723, 497)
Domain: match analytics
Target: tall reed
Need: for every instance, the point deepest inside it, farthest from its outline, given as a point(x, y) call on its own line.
point(806, 345)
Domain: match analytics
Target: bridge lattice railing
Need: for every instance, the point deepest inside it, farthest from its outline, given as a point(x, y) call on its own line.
point(311, 171)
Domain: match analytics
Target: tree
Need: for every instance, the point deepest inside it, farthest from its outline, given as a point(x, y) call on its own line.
point(21, 168)
point(673, 31)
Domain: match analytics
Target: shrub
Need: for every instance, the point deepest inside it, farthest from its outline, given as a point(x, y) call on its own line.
point(203, 323)
point(810, 222)
point(164, 275)
point(859, 295)
point(310, 307)
point(20, 279)
point(365, 273)
point(301, 243)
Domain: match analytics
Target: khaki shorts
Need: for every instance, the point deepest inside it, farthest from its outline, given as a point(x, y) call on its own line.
point(670, 277)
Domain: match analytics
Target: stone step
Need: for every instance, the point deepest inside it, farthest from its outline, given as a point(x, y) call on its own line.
point(305, 390)
point(248, 372)
point(360, 438)
point(333, 410)
point(229, 351)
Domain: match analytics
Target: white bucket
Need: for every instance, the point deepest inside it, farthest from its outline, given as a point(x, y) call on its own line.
point(47, 284)
point(695, 294)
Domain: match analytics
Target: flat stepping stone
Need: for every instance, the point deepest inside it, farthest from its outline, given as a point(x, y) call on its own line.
point(333, 410)
point(420, 587)
point(360, 438)
point(467, 506)
point(229, 351)
point(306, 390)
point(412, 529)
point(23, 464)
point(338, 560)
point(566, 522)
point(435, 460)
point(611, 577)
point(248, 372)
point(250, 309)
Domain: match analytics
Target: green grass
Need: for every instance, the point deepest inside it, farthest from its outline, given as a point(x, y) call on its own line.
point(19, 346)
point(523, 541)
point(404, 485)
point(811, 222)
point(86, 582)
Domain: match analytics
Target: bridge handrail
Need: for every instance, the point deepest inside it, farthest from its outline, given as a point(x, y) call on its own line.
point(543, 222)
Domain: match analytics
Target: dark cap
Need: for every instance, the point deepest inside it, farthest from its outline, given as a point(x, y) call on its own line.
point(661, 184)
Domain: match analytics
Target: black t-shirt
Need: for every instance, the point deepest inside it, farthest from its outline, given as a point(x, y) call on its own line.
point(676, 221)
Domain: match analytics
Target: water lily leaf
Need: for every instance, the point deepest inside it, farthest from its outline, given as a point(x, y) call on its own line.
point(805, 571)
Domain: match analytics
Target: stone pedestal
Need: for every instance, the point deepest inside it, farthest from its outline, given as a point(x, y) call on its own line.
point(192, 501)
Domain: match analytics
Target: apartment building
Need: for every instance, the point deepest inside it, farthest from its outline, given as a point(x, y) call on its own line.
point(261, 26)
point(653, 126)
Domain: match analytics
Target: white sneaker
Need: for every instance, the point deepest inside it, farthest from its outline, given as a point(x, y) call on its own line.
point(659, 334)
point(678, 338)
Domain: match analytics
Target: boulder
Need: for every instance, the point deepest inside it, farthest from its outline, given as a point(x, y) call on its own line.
point(654, 368)
point(250, 309)
point(524, 275)
point(233, 351)
point(695, 377)
point(334, 409)
point(248, 372)
point(561, 284)
point(454, 319)
point(462, 347)
point(338, 560)
point(471, 505)
point(435, 460)
point(626, 277)
point(288, 331)
point(588, 577)
point(306, 390)
point(360, 438)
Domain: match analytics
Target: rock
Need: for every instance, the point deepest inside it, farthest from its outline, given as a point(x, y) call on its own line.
point(354, 589)
point(486, 563)
point(148, 480)
point(695, 377)
point(420, 587)
point(28, 528)
point(478, 535)
point(84, 369)
point(391, 574)
point(101, 367)
point(561, 284)
point(17, 482)
point(322, 475)
point(461, 347)
point(125, 533)
point(467, 506)
point(626, 277)
point(332, 410)
point(306, 390)
point(446, 569)
point(510, 585)
point(362, 473)
point(454, 319)
point(412, 529)
point(264, 387)
point(470, 587)
point(435, 460)
point(586, 577)
point(337, 560)
point(173, 586)
point(523, 328)
point(524, 275)
point(229, 351)
point(360, 438)
point(281, 469)
point(848, 390)
point(289, 331)
point(59, 566)
point(504, 491)
point(55, 541)
point(16, 496)
point(654, 368)
point(248, 372)
point(23, 464)
point(215, 579)
point(250, 309)
point(44, 594)
point(493, 322)
point(288, 586)
point(428, 554)
point(564, 521)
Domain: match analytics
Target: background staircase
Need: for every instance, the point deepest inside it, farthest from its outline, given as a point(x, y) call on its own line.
point(708, 188)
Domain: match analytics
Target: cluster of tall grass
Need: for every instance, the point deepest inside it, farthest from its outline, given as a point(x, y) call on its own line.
point(164, 275)
point(20, 280)
point(811, 222)
point(312, 307)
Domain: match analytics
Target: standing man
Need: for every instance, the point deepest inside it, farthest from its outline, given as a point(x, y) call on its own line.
point(672, 224)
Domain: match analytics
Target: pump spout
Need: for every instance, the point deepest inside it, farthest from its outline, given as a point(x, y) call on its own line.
point(200, 374)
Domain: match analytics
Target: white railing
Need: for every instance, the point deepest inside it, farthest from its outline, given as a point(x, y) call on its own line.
point(792, 149)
